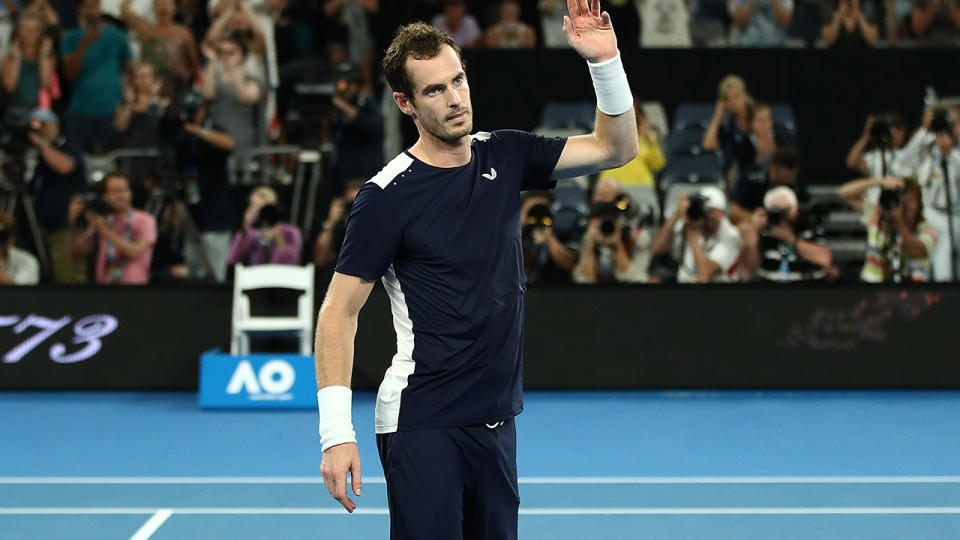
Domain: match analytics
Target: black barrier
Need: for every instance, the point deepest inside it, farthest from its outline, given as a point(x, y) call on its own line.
point(735, 336)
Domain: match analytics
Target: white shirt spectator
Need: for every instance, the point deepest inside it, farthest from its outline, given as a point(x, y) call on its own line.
point(723, 248)
point(665, 23)
point(762, 29)
point(875, 168)
point(551, 23)
point(22, 267)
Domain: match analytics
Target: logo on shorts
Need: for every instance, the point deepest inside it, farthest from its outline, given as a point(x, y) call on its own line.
point(492, 175)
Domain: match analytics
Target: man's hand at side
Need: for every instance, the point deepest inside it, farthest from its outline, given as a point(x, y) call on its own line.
point(337, 462)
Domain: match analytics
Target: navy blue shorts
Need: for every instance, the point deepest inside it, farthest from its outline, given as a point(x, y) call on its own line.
point(452, 483)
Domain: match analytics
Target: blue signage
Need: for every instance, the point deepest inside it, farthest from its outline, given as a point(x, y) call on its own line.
point(257, 381)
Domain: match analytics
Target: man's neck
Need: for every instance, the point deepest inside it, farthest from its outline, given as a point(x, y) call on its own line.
point(439, 153)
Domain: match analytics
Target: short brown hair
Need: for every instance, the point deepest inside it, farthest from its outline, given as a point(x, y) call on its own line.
point(419, 41)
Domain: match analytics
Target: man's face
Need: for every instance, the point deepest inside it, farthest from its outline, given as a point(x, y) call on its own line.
point(441, 101)
point(945, 142)
point(898, 136)
point(88, 8)
point(782, 176)
point(509, 12)
point(117, 193)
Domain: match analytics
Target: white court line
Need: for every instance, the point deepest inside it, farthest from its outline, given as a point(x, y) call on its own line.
point(155, 522)
point(523, 480)
point(626, 511)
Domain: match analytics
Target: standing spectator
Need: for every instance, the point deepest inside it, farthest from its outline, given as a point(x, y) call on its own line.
point(17, 267)
point(650, 158)
point(125, 237)
point(899, 241)
point(350, 37)
point(545, 258)
point(935, 22)
point(264, 239)
point(849, 28)
point(58, 178)
point(95, 57)
point(459, 24)
point(29, 64)
point(234, 96)
point(730, 123)
point(754, 153)
point(165, 45)
point(701, 239)
point(510, 32)
point(877, 149)
point(551, 23)
point(326, 249)
point(357, 128)
point(138, 120)
point(788, 250)
point(665, 23)
point(236, 20)
point(760, 23)
point(612, 250)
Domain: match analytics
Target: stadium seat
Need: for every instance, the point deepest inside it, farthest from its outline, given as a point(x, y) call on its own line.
point(272, 276)
point(569, 206)
point(692, 114)
point(569, 115)
point(686, 142)
point(703, 169)
point(657, 116)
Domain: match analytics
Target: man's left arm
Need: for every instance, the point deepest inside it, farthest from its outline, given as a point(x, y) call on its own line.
point(613, 142)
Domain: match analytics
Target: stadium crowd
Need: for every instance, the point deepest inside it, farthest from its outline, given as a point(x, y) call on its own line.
point(191, 89)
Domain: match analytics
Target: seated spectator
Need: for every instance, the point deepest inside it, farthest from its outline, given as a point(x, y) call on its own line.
point(849, 28)
point(788, 249)
point(730, 124)
point(750, 191)
point(124, 237)
point(17, 267)
point(28, 65)
point(95, 57)
point(510, 32)
point(138, 120)
point(545, 258)
point(264, 239)
point(356, 126)
point(935, 22)
point(700, 238)
point(326, 249)
point(665, 23)
point(167, 46)
point(649, 160)
point(234, 96)
point(612, 249)
point(760, 23)
point(900, 243)
point(877, 149)
point(459, 24)
point(551, 23)
point(58, 177)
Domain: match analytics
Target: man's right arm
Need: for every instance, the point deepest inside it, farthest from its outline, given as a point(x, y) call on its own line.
point(73, 60)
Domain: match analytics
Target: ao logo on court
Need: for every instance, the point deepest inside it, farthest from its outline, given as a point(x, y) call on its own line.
point(272, 382)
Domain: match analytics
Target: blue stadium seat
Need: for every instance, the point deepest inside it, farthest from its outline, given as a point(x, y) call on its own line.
point(569, 115)
point(703, 169)
point(569, 206)
point(690, 115)
point(685, 142)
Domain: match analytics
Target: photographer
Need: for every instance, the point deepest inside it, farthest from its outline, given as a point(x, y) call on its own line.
point(899, 241)
point(877, 149)
point(125, 237)
point(264, 239)
point(356, 126)
point(326, 249)
point(932, 158)
point(787, 250)
point(58, 177)
point(700, 237)
point(612, 249)
point(17, 267)
point(545, 258)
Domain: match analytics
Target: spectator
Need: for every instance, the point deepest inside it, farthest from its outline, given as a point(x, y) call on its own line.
point(95, 56)
point(459, 24)
point(728, 128)
point(701, 239)
point(125, 237)
point(754, 153)
point(551, 23)
point(545, 258)
point(709, 23)
point(612, 249)
point(649, 159)
point(138, 120)
point(849, 28)
point(264, 239)
point(327, 247)
point(877, 149)
point(204, 151)
point(510, 32)
point(788, 249)
point(233, 96)
point(760, 23)
point(29, 64)
point(933, 159)
point(43, 11)
point(167, 46)
point(236, 20)
point(750, 192)
point(58, 177)
point(350, 37)
point(935, 22)
point(899, 241)
point(17, 267)
point(665, 23)
point(357, 128)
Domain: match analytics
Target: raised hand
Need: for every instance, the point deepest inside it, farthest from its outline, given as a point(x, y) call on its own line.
point(589, 31)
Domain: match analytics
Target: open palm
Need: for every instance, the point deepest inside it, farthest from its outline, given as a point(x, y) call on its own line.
point(589, 31)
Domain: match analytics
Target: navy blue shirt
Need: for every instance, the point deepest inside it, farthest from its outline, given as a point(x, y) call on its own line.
point(447, 243)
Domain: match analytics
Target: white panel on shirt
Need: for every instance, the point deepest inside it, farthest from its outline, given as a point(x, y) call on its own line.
point(387, 411)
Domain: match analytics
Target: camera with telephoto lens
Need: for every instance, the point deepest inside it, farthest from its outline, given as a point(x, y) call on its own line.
point(539, 216)
point(180, 112)
point(890, 198)
point(610, 212)
point(698, 207)
point(776, 216)
point(881, 133)
point(94, 204)
point(268, 216)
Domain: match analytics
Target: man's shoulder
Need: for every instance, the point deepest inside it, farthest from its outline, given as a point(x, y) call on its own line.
point(397, 167)
point(141, 217)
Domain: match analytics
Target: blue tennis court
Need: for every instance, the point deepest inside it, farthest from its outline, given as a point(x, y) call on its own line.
point(610, 465)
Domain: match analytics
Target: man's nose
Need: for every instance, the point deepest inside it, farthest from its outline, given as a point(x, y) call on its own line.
point(454, 98)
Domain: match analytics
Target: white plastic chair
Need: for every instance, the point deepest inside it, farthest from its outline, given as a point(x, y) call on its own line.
point(272, 276)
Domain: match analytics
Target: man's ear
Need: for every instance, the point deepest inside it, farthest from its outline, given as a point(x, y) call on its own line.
point(405, 104)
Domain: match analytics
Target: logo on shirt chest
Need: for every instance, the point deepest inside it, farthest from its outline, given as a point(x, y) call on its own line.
point(492, 175)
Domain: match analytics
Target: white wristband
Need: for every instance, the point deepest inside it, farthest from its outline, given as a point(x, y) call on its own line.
point(610, 82)
point(336, 424)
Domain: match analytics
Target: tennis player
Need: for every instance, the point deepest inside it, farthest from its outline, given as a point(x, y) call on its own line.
point(440, 226)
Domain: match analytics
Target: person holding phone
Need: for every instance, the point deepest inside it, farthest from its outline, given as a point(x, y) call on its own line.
point(95, 57)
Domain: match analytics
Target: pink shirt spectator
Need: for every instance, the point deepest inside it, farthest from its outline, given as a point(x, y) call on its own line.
point(112, 266)
point(250, 247)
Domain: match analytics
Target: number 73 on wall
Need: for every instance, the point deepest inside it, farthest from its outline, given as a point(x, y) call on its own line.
point(88, 332)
